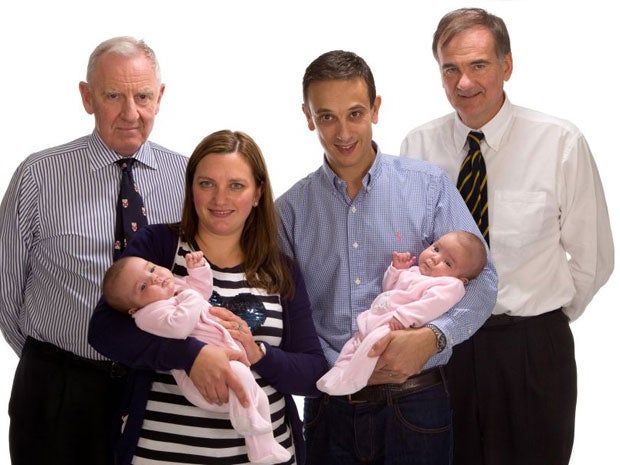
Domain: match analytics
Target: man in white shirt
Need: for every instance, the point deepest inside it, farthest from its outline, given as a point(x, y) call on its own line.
point(513, 385)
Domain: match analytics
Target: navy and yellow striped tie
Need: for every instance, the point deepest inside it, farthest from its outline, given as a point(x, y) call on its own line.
point(472, 183)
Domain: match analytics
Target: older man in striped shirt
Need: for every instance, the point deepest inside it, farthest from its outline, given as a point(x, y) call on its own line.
point(58, 236)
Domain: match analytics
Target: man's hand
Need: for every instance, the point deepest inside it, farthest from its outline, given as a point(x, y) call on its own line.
point(402, 354)
point(213, 377)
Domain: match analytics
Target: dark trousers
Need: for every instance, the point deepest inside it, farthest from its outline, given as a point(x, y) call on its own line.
point(411, 430)
point(63, 409)
point(513, 390)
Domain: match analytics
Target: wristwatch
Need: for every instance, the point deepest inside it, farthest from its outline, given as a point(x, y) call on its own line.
point(441, 337)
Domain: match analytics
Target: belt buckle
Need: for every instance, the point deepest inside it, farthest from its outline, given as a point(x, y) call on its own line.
point(117, 370)
point(352, 401)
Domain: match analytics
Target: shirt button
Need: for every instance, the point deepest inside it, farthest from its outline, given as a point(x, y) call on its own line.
point(358, 281)
point(353, 209)
point(355, 245)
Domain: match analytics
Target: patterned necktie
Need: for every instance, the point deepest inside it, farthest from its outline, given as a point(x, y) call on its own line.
point(472, 183)
point(130, 211)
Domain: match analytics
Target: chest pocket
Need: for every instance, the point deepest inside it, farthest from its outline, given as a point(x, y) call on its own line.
point(518, 218)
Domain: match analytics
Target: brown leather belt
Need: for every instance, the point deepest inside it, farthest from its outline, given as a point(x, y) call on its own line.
point(380, 393)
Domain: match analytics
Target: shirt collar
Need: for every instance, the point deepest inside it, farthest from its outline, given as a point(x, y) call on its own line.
point(493, 131)
point(369, 177)
point(101, 155)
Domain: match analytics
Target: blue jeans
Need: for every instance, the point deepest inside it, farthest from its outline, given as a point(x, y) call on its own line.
point(412, 430)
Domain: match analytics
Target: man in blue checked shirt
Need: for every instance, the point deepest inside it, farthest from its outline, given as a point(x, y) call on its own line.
point(342, 223)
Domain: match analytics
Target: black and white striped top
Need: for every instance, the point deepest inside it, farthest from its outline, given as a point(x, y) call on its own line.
point(174, 431)
point(57, 219)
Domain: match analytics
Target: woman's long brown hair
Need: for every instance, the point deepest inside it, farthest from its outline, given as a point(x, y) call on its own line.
point(263, 263)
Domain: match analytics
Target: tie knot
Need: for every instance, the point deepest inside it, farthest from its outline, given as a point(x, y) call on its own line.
point(125, 163)
point(475, 137)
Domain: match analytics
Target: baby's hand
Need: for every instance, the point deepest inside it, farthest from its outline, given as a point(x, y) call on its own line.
point(402, 260)
point(194, 259)
point(395, 325)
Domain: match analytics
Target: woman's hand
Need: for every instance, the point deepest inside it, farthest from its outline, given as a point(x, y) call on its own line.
point(240, 331)
point(213, 377)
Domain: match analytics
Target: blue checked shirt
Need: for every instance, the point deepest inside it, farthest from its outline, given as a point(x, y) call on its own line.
point(344, 246)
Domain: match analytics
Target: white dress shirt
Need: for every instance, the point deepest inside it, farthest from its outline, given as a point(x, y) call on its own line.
point(550, 235)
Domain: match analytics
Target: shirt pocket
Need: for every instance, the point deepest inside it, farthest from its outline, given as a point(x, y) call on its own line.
point(518, 218)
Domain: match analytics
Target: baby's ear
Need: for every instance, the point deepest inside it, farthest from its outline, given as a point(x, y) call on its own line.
point(131, 311)
point(465, 281)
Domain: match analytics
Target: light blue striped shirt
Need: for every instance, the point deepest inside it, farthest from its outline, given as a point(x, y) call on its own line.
point(57, 219)
point(344, 246)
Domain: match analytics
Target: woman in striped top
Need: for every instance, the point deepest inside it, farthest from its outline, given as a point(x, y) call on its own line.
point(229, 215)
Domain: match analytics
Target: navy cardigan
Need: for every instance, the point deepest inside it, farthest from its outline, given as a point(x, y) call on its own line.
point(292, 369)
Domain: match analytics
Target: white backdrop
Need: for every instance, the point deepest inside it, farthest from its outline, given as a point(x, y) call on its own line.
point(239, 64)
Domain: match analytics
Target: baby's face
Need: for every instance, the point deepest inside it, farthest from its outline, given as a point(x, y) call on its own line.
point(144, 283)
point(445, 257)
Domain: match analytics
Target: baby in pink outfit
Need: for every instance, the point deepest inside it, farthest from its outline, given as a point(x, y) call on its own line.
point(167, 306)
point(413, 296)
